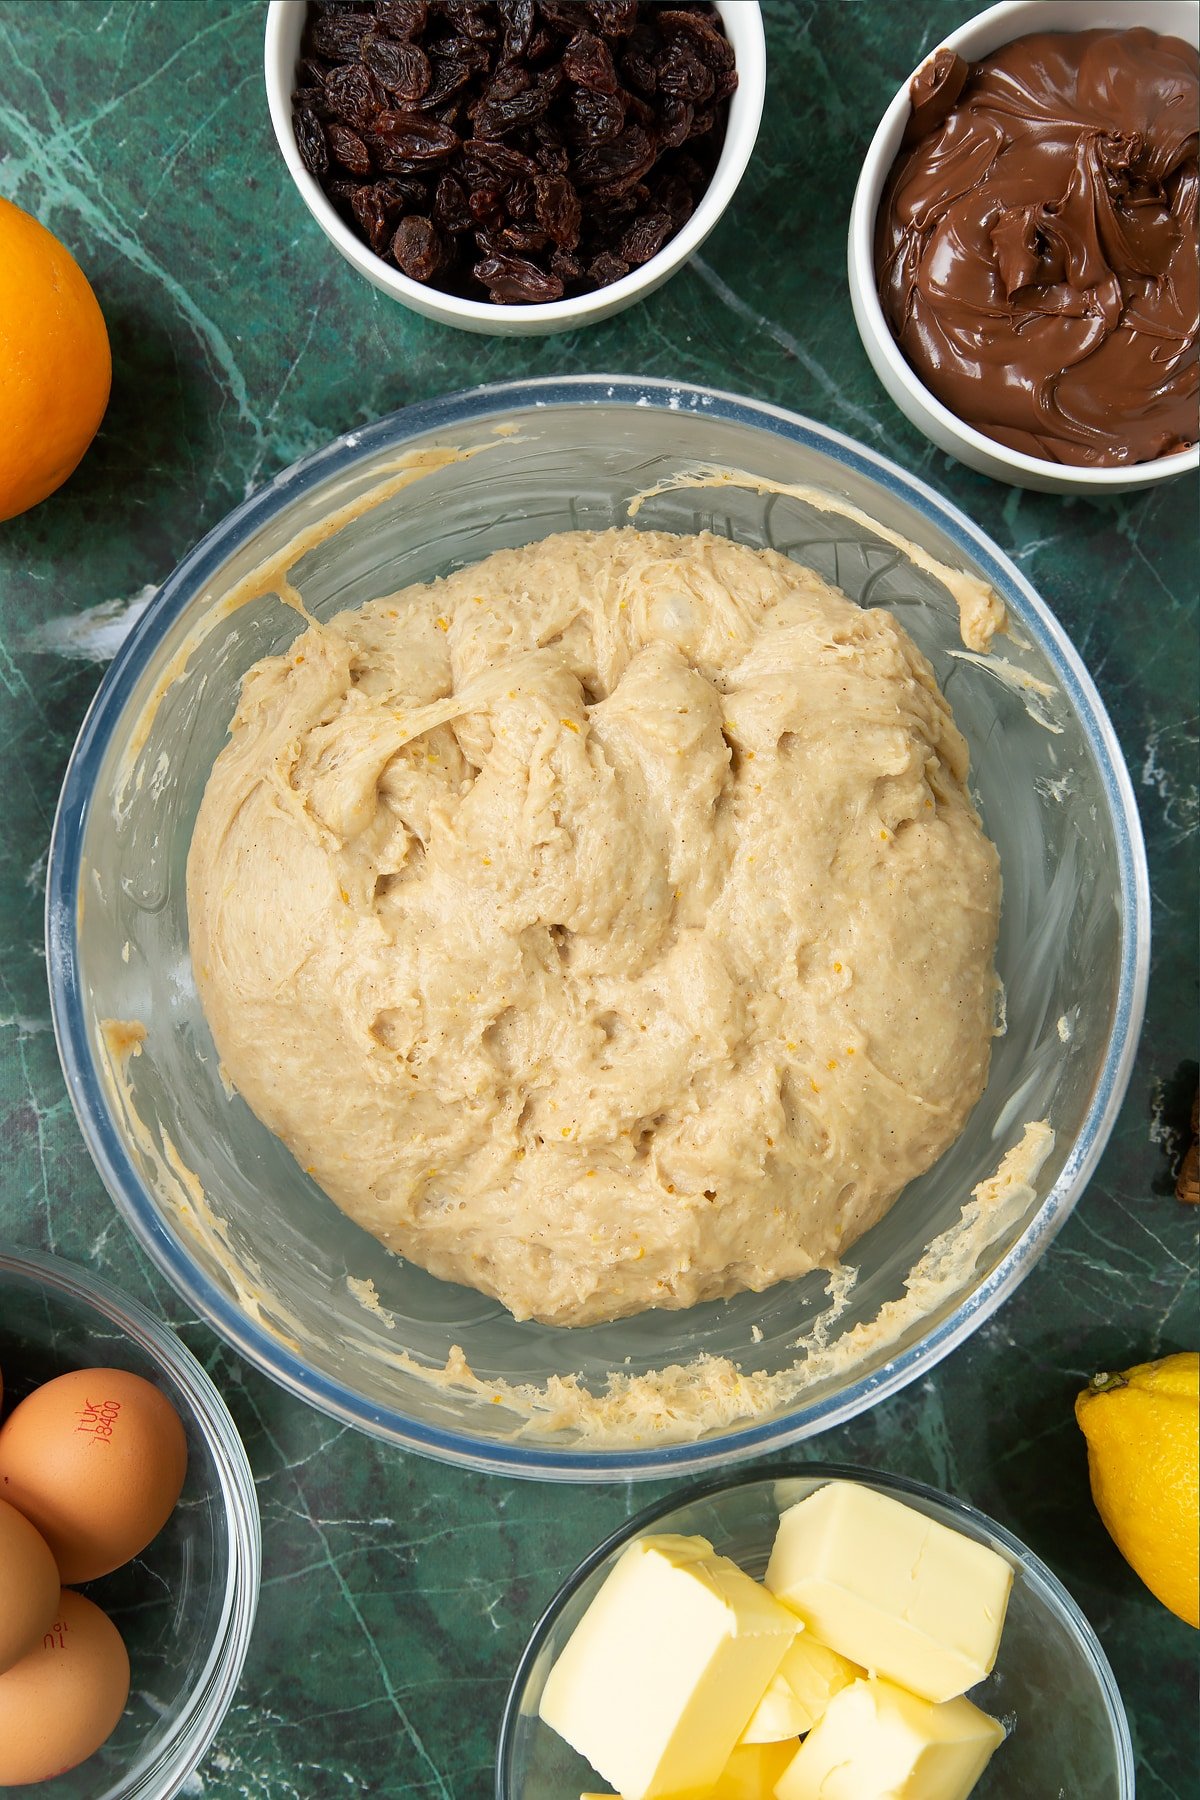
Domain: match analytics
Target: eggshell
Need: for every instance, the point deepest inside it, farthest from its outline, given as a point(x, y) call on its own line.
point(29, 1586)
point(96, 1460)
point(59, 1703)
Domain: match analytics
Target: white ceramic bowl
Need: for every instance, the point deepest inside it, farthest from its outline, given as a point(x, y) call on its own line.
point(742, 20)
point(986, 32)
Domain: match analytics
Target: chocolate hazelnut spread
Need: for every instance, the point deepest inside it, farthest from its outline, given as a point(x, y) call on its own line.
point(1035, 246)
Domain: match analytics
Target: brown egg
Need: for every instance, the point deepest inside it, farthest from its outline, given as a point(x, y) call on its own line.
point(96, 1460)
point(59, 1703)
point(29, 1586)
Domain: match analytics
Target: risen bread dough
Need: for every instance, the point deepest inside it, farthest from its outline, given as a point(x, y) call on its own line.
point(606, 926)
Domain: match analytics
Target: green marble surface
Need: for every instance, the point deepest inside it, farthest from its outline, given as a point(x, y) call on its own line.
point(397, 1594)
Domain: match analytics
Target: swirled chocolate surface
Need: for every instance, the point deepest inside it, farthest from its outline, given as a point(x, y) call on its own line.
point(1035, 246)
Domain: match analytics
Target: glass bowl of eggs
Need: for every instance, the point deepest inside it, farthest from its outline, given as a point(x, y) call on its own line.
point(933, 1653)
point(115, 1441)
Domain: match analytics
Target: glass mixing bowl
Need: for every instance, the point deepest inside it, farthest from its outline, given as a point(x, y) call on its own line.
point(186, 1605)
point(234, 1222)
point(1051, 1687)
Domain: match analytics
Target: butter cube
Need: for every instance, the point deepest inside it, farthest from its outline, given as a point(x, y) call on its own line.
point(778, 1715)
point(750, 1773)
point(890, 1589)
point(877, 1742)
point(658, 1679)
point(753, 1770)
point(815, 1673)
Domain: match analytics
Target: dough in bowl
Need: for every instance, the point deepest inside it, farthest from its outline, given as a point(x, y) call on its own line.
point(606, 926)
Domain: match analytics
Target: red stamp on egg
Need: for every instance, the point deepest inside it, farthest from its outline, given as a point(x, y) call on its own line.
point(97, 1419)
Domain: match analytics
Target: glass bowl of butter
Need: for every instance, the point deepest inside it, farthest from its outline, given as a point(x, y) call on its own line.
point(241, 1226)
point(826, 1632)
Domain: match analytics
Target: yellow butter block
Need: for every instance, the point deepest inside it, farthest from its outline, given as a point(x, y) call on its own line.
point(750, 1773)
point(815, 1673)
point(657, 1681)
point(753, 1770)
point(892, 1590)
point(877, 1742)
point(778, 1715)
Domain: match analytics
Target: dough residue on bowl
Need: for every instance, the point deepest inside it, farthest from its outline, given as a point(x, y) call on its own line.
point(606, 926)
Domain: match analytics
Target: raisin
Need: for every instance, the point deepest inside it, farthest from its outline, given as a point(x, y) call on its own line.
point(473, 18)
point(450, 210)
point(489, 157)
point(403, 69)
point(492, 118)
point(558, 209)
point(404, 141)
point(338, 35)
point(353, 95)
point(453, 66)
point(417, 248)
point(378, 209)
point(700, 32)
point(613, 165)
point(682, 74)
point(568, 268)
point(310, 141)
point(645, 237)
point(515, 280)
point(349, 149)
point(402, 18)
point(675, 121)
point(522, 240)
point(607, 268)
point(616, 17)
point(565, 15)
point(595, 118)
point(517, 17)
point(588, 62)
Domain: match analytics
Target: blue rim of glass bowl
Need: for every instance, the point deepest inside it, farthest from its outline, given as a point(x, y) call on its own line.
point(335, 1398)
point(209, 1699)
point(1032, 1568)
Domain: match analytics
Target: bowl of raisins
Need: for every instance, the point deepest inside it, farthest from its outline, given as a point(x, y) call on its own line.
point(516, 166)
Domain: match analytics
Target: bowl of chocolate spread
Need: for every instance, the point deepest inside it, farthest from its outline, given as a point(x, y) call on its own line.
point(1023, 244)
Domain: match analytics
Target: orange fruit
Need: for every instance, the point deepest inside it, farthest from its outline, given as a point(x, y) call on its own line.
point(55, 363)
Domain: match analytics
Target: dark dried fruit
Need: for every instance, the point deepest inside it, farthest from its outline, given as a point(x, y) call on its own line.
point(645, 237)
point(682, 74)
point(607, 268)
point(518, 18)
point(558, 209)
point(450, 210)
point(588, 62)
point(517, 150)
point(310, 141)
point(612, 166)
point(404, 141)
point(338, 35)
point(349, 149)
point(402, 18)
point(377, 211)
point(595, 118)
point(417, 248)
point(353, 95)
point(403, 69)
point(515, 280)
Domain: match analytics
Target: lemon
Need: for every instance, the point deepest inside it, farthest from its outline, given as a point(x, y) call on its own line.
point(1143, 1436)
